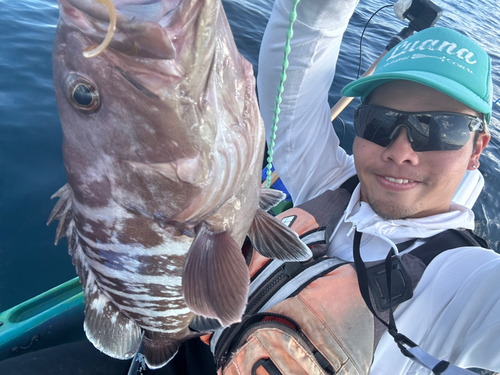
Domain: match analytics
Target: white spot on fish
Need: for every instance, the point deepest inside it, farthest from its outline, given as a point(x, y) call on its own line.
point(87, 227)
point(237, 205)
point(113, 317)
point(99, 303)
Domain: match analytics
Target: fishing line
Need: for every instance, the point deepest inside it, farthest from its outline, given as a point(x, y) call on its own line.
point(360, 58)
point(363, 33)
point(287, 49)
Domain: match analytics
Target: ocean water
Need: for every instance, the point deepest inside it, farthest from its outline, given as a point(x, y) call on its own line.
point(31, 166)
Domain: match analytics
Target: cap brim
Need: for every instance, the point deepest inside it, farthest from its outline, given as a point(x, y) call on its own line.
point(363, 86)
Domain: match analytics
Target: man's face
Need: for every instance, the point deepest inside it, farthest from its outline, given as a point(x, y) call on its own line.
point(400, 183)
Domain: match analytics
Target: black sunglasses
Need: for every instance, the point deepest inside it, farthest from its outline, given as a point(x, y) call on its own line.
point(427, 131)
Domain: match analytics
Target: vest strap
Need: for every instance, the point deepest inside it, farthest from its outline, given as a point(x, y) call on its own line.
point(268, 365)
point(435, 365)
point(362, 273)
point(407, 347)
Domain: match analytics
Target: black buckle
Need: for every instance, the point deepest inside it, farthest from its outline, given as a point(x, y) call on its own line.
point(401, 288)
point(401, 341)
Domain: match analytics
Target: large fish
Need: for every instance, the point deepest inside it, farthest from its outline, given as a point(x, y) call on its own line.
point(163, 146)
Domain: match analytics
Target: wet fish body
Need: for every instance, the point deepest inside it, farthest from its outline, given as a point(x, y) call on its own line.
point(162, 146)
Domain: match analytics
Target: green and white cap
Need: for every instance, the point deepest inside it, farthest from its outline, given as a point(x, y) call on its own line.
point(440, 58)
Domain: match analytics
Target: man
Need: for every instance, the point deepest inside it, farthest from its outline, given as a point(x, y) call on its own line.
point(408, 181)
point(405, 190)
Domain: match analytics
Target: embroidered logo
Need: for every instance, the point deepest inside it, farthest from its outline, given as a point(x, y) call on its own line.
point(449, 48)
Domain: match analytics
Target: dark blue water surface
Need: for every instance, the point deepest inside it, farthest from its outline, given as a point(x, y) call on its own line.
point(31, 166)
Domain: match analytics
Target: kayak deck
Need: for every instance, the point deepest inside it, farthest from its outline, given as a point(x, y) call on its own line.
point(49, 319)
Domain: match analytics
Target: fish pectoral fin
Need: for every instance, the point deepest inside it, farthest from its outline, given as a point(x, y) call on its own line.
point(273, 239)
point(108, 329)
point(215, 279)
point(159, 348)
point(203, 324)
point(270, 198)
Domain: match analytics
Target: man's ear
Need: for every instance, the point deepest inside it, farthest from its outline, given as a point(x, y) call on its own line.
point(482, 141)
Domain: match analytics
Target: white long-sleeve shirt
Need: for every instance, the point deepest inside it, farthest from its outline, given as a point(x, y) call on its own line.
point(455, 311)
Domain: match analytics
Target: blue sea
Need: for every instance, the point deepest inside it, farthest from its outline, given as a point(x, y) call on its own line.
point(31, 165)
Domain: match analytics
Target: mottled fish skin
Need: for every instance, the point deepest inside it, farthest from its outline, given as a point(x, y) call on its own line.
point(162, 145)
point(165, 144)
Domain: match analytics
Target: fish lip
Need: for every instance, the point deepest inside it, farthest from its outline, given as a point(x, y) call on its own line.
point(133, 36)
point(68, 7)
point(70, 14)
point(96, 11)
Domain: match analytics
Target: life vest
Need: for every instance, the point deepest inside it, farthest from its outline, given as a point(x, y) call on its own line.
point(310, 317)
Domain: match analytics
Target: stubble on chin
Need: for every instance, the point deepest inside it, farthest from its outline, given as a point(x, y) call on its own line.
point(389, 210)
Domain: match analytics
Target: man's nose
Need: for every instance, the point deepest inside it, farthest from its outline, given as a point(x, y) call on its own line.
point(400, 150)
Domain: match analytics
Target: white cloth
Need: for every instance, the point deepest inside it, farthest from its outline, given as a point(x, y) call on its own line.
point(455, 311)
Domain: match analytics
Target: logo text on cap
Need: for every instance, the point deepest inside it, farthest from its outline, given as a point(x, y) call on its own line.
point(432, 45)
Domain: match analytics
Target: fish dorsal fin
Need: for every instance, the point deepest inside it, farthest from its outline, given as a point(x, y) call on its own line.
point(62, 211)
point(272, 239)
point(215, 279)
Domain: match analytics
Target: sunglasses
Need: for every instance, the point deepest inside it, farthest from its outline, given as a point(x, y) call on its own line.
point(427, 131)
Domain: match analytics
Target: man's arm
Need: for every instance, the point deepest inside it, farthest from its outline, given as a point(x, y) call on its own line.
point(467, 330)
point(307, 155)
point(453, 315)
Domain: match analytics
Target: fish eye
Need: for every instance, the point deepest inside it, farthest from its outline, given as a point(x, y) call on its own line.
point(82, 93)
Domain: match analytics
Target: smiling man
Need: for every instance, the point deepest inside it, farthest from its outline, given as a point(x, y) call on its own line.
point(420, 130)
point(398, 181)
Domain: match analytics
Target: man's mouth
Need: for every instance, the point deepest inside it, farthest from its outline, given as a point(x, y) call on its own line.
point(398, 180)
point(397, 183)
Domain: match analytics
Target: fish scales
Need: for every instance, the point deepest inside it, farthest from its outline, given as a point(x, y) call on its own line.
point(163, 145)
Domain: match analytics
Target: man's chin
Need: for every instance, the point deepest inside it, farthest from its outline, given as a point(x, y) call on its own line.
point(389, 210)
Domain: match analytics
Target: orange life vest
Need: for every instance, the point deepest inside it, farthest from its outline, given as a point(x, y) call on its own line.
point(310, 317)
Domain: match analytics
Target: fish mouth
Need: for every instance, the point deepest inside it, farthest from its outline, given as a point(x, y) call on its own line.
point(138, 30)
point(128, 10)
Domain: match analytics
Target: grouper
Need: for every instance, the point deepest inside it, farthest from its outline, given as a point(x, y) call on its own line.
point(163, 147)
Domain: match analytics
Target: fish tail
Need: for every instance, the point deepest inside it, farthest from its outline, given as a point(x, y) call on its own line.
point(203, 324)
point(160, 348)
